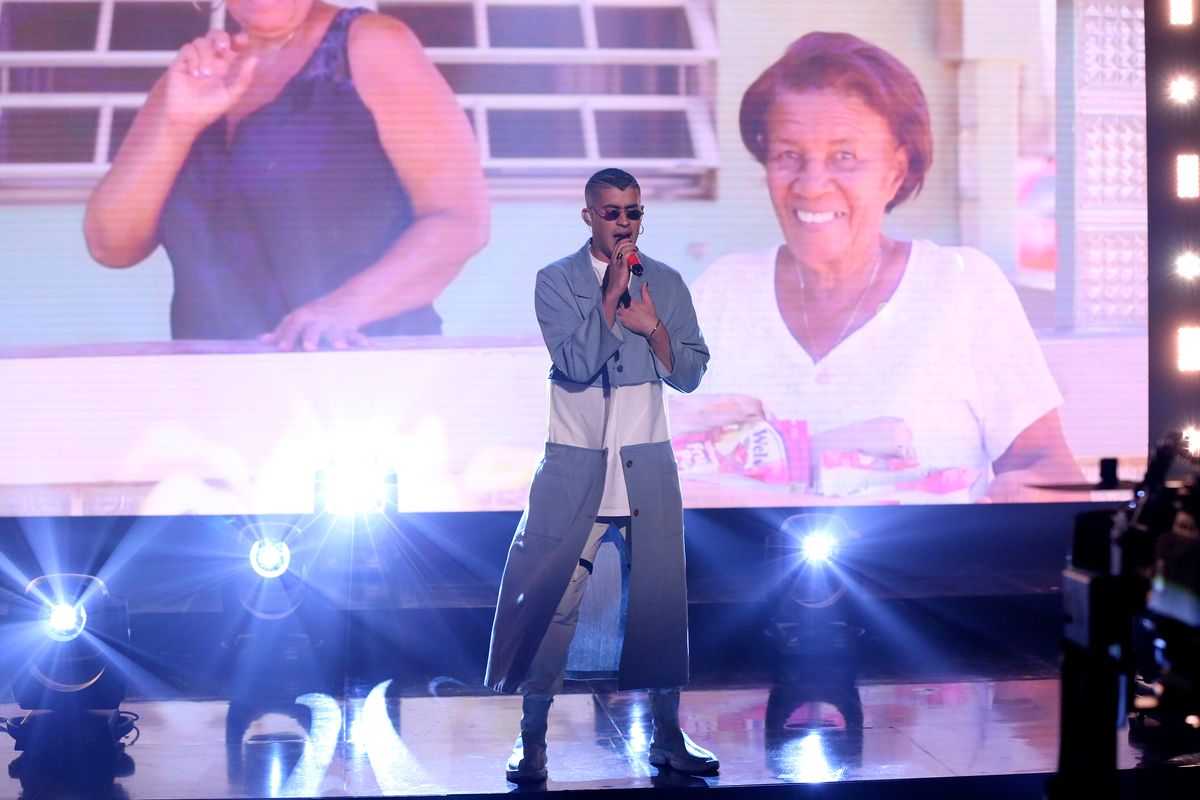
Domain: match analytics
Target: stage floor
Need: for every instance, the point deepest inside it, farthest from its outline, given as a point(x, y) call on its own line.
point(373, 743)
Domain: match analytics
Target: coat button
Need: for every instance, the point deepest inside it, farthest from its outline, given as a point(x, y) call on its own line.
point(635, 512)
point(620, 367)
point(629, 463)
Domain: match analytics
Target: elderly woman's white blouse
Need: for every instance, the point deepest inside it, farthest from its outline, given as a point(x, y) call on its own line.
point(952, 354)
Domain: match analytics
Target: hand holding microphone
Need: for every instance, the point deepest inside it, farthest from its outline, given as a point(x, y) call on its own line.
point(630, 253)
point(622, 262)
point(635, 263)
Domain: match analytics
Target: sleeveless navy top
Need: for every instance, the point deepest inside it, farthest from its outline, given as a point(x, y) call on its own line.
point(303, 198)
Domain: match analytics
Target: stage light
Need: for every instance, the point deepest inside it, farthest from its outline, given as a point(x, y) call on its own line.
point(1182, 89)
point(1182, 12)
point(82, 627)
point(1191, 440)
point(65, 621)
point(270, 558)
point(819, 546)
point(1187, 265)
point(810, 573)
point(354, 487)
point(1187, 176)
point(273, 586)
point(1189, 349)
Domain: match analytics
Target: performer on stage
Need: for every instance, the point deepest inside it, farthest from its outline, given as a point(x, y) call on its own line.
point(616, 330)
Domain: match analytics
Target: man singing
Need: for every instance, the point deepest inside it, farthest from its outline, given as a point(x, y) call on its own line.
point(617, 325)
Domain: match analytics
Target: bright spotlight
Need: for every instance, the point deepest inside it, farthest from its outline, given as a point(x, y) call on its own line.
point(1189, 349)
point(1187, 176)
point(818, 546)
point(65, 621)
point(1187, 265)
point(274, 586)
point(1191, 440)
point(71, 671)
point(808, 618)
point(1182, 12)
point(270, 558)
point(356, 487)
point(1182, 89)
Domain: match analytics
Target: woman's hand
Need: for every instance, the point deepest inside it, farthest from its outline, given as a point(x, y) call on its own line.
point(326, 321)
point(204, 81)
point(880, 437)
point(208, 76)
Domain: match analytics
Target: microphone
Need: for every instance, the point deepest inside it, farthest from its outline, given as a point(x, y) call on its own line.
point(635, 264)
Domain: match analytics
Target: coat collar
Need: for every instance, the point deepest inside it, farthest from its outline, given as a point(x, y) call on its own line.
point(581, 275)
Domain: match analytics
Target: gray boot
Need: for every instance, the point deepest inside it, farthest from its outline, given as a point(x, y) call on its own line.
point(527, 764)
point(670, 746)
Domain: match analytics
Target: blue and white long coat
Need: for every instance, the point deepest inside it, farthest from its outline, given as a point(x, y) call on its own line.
point(567, 487)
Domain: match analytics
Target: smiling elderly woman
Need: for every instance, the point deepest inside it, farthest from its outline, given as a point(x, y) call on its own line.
point(905, 351)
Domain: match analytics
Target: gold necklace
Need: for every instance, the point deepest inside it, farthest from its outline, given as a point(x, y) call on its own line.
point(275, 45)
point(853, 312)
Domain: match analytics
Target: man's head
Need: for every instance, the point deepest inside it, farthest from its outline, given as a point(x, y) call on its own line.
point(612, 209)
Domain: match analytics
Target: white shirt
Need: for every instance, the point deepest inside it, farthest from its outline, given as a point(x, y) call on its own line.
point(608, 417)
point(952, 354)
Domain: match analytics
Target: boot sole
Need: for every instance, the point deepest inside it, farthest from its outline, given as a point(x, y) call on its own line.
point(659, 758)
point(517, 777)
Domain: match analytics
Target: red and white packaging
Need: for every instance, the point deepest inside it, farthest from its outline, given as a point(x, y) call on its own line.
point(773, 451)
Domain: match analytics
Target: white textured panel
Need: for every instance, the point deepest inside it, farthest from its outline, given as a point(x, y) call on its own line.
point(1111, 279)
point(1112, 45)
point(1113, 161)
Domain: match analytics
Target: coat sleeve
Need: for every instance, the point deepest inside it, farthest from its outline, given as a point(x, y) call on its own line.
point(688, 348)
point(579, 343)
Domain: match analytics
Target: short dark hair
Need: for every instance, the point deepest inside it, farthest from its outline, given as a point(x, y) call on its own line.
point(611, 177)
point(845, 63)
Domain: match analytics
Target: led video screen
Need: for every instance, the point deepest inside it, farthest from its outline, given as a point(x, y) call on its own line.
point(914, 235)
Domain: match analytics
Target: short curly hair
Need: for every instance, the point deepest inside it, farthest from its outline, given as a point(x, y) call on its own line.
point(845, 63)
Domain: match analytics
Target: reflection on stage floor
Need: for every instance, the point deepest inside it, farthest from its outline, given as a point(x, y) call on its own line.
point(375, 743)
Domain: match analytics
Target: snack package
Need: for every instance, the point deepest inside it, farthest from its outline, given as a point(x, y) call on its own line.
point(773, 451)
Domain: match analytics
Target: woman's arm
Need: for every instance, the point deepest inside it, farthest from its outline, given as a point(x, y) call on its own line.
point(1039, 454)
point(202, 83)
point(431, 146)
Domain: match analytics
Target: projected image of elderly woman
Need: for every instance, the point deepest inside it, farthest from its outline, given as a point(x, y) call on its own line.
point(312, 179)
point(912, 365)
